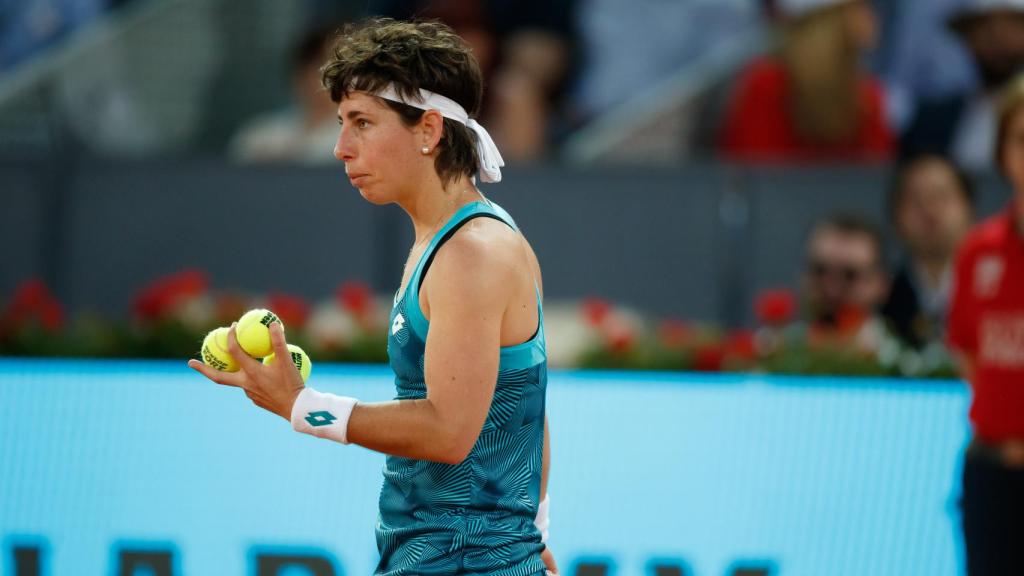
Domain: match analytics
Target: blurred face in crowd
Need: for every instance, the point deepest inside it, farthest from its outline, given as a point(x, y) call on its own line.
point(862, 25)
point(843, 271)
point(933, 212)
point(996, 40)
point(381, 154)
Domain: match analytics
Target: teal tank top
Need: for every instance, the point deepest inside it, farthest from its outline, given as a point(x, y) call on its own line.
point(475, 517)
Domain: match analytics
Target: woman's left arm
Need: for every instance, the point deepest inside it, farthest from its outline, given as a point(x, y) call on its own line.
point(467, 290)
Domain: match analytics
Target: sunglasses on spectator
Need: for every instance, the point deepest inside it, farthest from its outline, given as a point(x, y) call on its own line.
point(848, 274)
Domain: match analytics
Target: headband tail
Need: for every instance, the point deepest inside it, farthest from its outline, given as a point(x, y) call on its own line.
point(490, 158)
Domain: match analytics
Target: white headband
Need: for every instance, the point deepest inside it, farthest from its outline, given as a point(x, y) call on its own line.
point(490, 159)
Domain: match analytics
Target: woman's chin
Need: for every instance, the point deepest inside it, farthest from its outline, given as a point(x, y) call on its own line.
point(372, 197)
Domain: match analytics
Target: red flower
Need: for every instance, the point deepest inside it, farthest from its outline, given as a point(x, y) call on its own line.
point(842, 331)
point(596, 311)
point(709, 358)
point(775, 307)
point(742, 345)
point(355, 297)
point(229, 307)
point(620, 338)
point(849, 320)
point(292, 310)
point(158, 298)
point(34, 301)
point(674, 334)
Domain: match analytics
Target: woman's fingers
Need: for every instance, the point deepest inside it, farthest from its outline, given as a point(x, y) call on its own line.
point(277, 340)
point(225, 378)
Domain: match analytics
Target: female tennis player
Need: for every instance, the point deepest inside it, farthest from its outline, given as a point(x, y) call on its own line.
point(464, 484)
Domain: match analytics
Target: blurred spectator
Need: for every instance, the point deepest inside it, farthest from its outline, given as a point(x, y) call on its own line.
point(525, 50)
point(303, 132)
point(920, 58)
point(627, 47)
point(962, 125)
point(986, 327)
point(137, 89)
point(813, 100)
point(844, 281)
point(932, 207)
point(27, 27)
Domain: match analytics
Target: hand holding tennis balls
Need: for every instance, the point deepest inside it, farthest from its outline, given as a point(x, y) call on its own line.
point(272, 386)
point(253, 333)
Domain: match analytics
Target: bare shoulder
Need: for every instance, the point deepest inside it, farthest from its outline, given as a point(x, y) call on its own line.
point(481, 244)
point(483, 254)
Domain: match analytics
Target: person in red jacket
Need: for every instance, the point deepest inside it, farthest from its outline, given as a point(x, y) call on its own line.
point(986, 330)
point(812, 100)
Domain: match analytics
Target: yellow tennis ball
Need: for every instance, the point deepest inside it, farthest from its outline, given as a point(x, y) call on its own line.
point(215, 351)
point(253, 332)
point(299, 358)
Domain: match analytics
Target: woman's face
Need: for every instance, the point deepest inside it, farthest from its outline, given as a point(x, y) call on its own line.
point(382, 156)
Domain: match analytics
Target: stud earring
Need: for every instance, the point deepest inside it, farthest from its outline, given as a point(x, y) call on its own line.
point(425, 149)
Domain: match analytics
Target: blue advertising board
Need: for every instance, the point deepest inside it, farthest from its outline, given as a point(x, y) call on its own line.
point(117, 467)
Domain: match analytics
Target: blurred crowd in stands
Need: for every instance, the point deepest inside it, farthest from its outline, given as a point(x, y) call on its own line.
point(909, 83)
point(842, 80)
point(838, 80)
point(913, 83)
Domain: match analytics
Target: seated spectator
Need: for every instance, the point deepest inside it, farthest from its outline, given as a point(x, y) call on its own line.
point(844, 282)
point(629, 47)
point(920, 58)
point(813, 100)
point(304, 132)
point(524, 49)
point(535, 55)
point(932, 208)
point(962, 125)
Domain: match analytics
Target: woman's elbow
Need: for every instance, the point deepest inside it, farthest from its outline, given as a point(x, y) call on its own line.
point(452, 458)
point(455, 449)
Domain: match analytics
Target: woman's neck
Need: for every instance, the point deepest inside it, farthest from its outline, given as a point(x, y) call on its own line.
point(430, 207)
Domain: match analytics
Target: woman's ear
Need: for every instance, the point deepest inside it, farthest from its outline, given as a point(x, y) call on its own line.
point(432, 127)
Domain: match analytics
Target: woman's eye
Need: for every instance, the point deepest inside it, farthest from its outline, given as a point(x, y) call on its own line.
point(363, 123)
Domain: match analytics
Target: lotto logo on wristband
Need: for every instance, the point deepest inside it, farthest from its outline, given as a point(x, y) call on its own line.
point(322, 418)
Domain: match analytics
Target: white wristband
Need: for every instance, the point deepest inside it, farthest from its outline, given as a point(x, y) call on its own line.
point(322, 415)
point(543, 522)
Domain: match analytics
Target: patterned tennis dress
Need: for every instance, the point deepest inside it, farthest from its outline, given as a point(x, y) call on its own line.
point(475, 517)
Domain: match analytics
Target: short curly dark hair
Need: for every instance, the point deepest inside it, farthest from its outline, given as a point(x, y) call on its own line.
point(428, 55)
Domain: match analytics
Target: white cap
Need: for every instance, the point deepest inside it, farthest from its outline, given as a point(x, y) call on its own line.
point(796, 8)
point(969, 9)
